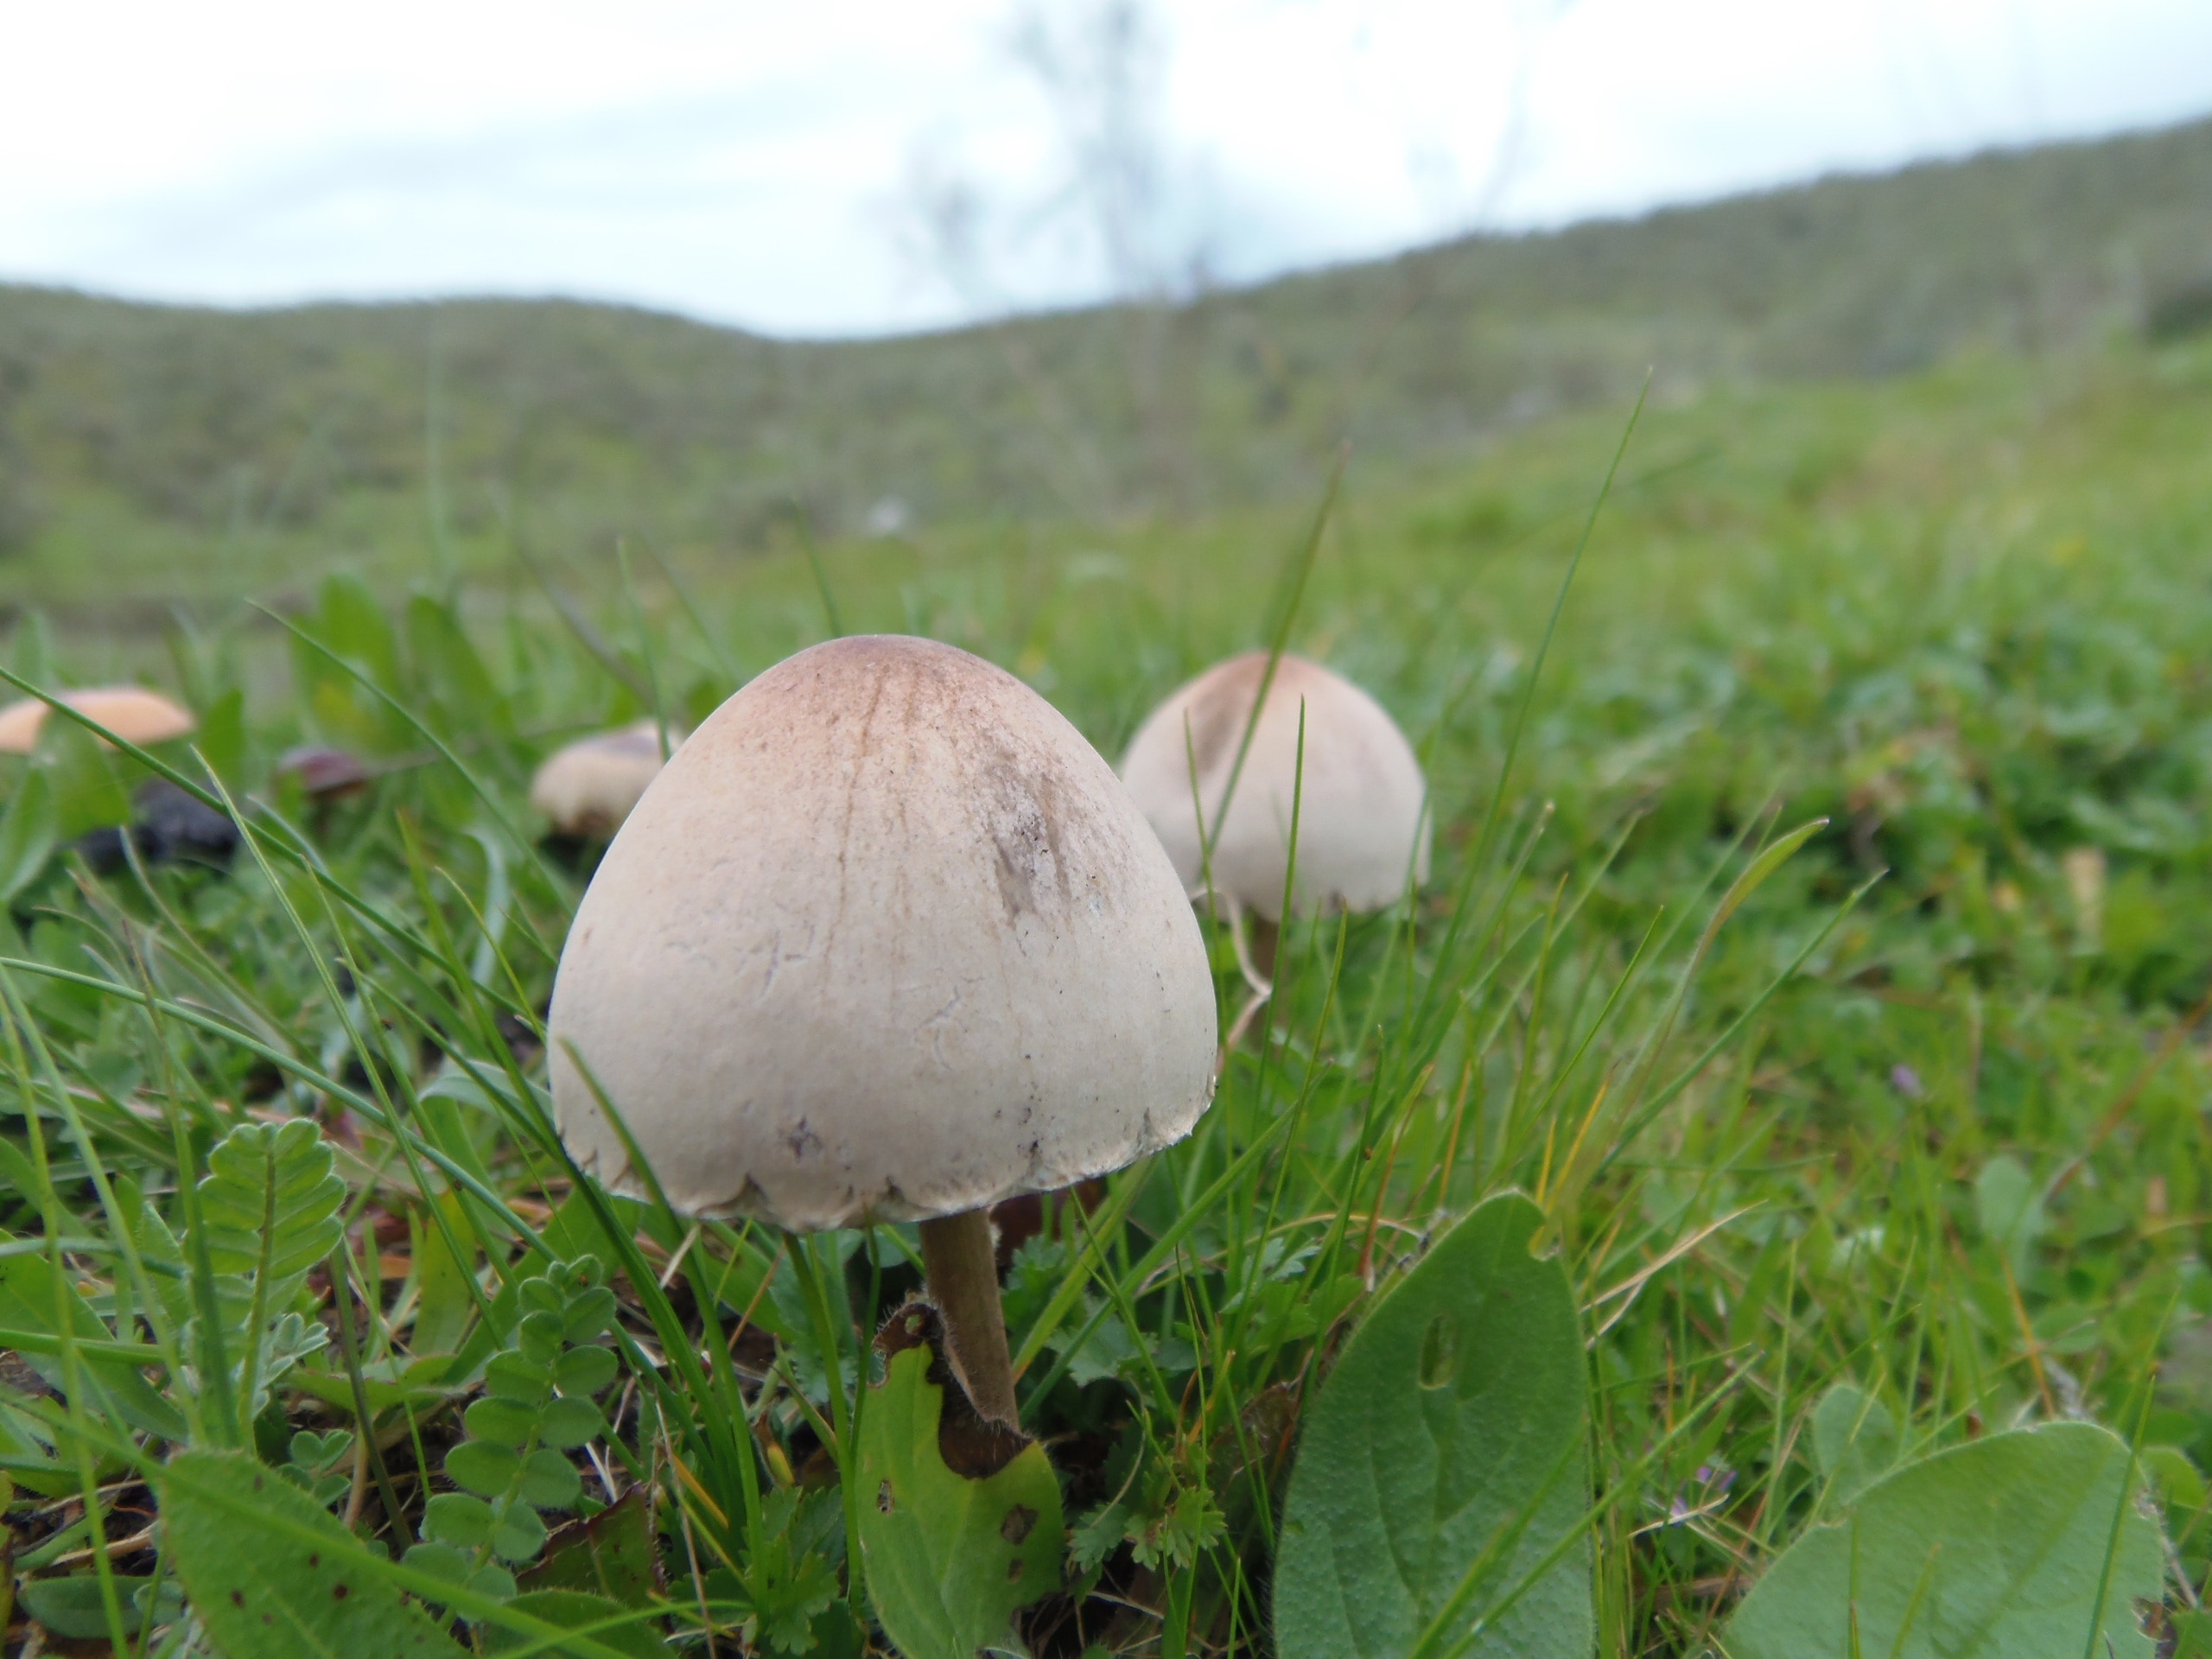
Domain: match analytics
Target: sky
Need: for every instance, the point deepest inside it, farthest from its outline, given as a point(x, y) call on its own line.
point(866, 166)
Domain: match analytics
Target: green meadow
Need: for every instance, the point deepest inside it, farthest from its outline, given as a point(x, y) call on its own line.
point(1817, 943)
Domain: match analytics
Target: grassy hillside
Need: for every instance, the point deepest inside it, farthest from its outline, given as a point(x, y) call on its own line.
point(150, 453)
point(1956, 1157)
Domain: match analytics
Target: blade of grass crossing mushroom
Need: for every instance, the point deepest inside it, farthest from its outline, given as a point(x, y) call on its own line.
point(1205, 855)
point(1289, 889)
point(1235, 1236)
point(1299, 571)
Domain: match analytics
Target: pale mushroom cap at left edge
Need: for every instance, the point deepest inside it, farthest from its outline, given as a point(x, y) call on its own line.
point(886, 940)
point(589, 786)
point(132, 714)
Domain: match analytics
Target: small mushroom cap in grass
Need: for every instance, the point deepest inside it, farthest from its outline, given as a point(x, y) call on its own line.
point(885, 940)
point(1362, 819)
point(134, 716)
point(588, 788)
point(324, 773)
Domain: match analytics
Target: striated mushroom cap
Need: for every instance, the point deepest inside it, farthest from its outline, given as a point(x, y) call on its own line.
point(1361, 817)
point(133, 715)
point(885, 940)
point(588, 787)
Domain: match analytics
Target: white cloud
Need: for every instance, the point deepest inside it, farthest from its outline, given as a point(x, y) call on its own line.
point(741, 161)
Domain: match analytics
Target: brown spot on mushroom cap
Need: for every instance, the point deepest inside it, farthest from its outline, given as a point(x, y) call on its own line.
point(588, 787)
point(886, 939)
point(1361, 800)
point(134, 715)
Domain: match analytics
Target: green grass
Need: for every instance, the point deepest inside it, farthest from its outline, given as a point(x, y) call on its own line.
point(1962, 617)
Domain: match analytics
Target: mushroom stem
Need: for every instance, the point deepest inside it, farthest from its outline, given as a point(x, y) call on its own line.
point(963, 1275)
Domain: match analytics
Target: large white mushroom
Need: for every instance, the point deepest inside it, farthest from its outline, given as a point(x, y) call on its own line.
point(1363, 826)
point(885, 941)
point(586, 788)
point(134, 716)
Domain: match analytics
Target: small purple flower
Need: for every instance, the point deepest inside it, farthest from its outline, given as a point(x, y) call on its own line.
point(1712, 1483)
point(1906, 1081)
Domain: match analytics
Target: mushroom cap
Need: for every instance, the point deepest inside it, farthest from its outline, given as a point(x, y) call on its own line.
point(1362, 806)
point(323, 772)
point(589, 786)
point(134, 716)
point(885, 940)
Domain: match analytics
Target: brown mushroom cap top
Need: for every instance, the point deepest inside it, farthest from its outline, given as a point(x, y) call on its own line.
point(134, 716)
point(1362, 819)
point(885, 940)
point(589, 786)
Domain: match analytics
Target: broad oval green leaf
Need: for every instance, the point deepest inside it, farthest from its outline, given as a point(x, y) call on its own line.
point(949, 1557)
point(585, 1371)
point(568, 1422)
point(1442, 1474)
point(550, 1481)
point(520, 1536)
point(458, 1518)
point(273, 1575)
point(2009, 1548)
point(1854, 1440)
point(76, 1608)
point(483, 1467)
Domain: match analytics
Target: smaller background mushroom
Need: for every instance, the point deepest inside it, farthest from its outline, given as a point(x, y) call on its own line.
point(132, 714)
point(1362, 804)
point(588, 788)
